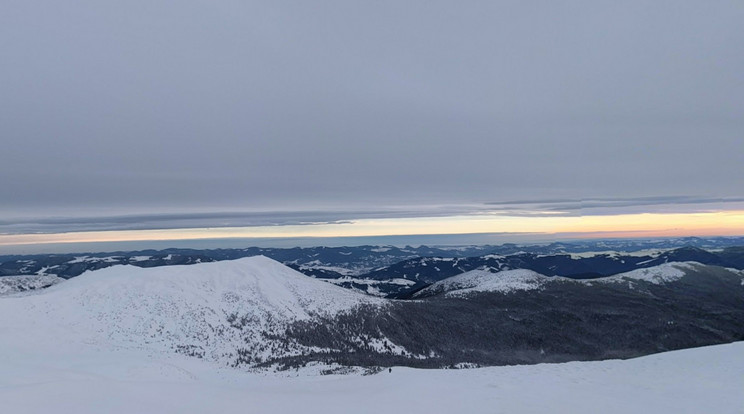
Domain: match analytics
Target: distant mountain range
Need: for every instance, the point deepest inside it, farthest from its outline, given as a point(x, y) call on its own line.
point(256, 313)
point(520, 316)
point(398, 272)
point(421, 272)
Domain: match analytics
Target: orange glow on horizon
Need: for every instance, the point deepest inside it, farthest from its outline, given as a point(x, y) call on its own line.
point(725, 223)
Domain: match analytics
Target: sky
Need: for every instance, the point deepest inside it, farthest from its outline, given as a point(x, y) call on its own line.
point(192, 119)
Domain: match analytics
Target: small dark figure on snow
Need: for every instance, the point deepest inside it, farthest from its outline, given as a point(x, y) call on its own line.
point(390, 370)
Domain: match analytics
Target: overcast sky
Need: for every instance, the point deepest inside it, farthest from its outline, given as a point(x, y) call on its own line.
point(330, 111)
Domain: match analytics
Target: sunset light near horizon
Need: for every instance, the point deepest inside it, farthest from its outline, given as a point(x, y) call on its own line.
point(724, 223)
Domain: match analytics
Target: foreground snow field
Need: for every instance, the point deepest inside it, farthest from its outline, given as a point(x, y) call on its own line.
point(88, 380)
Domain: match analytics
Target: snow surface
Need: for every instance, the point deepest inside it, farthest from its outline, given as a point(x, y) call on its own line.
point(85, 380)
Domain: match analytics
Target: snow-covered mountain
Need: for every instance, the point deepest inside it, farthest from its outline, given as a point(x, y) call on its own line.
point(397, 271)
point(229, 312)
point(485, 281)
point(423, 271)
point(522, 279)
point(520, 316)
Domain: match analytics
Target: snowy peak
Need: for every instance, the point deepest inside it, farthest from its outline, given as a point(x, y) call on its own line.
point(210, 310)
point(663, 273)
point(486, 281)
point(260, 282)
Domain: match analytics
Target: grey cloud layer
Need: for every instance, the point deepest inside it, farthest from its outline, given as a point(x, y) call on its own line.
point(225, 105)
point(619, 205)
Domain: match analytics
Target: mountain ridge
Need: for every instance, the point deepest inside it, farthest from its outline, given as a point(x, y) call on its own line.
point(256, 313)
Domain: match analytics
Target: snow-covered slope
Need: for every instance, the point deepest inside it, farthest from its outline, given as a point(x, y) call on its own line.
point(663, 273)
point(15, 284)
point(210, 310)
point(258, 284)
point(523, 279)
point(485, 281)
